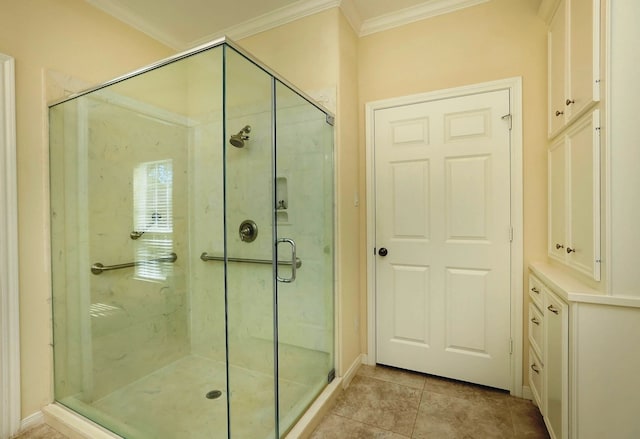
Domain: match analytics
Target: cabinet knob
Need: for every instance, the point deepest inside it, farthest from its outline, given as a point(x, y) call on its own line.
point(535, 290)
point(558, 112)
point(569, 102)
point(535, 321)
point(553, 309)
point(570, 250)
point(534, 367)
point(559, 246)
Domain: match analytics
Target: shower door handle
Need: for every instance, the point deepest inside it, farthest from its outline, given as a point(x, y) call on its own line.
point(294, 259)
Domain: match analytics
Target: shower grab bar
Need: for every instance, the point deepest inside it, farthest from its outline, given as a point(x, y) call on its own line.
point(98, 268)
point(207, 257)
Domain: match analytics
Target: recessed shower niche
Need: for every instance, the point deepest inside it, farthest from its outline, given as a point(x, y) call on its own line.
point(282, 200)
point(184, 329)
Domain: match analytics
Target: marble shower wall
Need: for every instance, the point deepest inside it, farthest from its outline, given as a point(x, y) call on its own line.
point(119, 325)
point(304, 161)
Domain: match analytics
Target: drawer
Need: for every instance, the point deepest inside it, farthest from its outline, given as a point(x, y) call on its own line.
point(535, 379)
point(536, 329)
point(535, 290)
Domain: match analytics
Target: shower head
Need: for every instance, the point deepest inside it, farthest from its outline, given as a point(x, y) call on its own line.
point(237, 140)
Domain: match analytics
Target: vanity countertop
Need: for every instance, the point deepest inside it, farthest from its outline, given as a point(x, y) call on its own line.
point(571, 289)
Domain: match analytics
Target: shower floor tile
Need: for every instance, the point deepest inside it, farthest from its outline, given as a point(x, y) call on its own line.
point(172, 403)
point(41, 432)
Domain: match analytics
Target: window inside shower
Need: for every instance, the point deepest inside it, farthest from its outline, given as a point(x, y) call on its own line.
point(153, 218)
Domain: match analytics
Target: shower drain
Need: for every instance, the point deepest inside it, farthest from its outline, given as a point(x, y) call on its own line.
point(214, 394)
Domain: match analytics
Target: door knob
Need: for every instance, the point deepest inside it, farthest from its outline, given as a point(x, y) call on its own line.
point(383, 251)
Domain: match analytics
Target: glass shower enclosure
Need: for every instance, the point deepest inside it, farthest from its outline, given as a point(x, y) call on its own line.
point(192, 249)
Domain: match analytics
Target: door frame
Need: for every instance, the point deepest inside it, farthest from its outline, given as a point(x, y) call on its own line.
point(514, 85)
point(9, 295)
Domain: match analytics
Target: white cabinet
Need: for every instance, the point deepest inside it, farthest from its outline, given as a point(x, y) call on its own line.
point(574, 196)
point(536, 341)
point(535, 379)
point(573, 61)
point(556, 64)
point(557, 175)
point(549, 357)
point(587, 384)
point(556, 366)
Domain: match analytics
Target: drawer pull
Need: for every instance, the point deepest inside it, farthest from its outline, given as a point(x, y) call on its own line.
point(534, 368)
point(570, 250)
point(569, 102)
point(535, 321)
point(552, 309)
point(559, 246)
point(535, 290)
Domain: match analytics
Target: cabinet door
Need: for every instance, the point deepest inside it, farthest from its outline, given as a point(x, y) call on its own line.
point(583, 240)
point(556, 61)
point(556, 366)
point(583, 86)
point(536, 371)
point(557, 200)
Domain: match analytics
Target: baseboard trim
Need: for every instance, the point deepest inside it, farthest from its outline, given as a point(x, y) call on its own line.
point(32, 420)
point(73, 425)
point(318, 410)
point(351, 372)
point(526, 393)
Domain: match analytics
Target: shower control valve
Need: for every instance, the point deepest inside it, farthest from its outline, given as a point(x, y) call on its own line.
point(248, 231)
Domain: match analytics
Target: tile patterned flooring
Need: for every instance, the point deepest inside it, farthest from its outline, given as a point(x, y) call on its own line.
point(41, 432)
point(387, 403)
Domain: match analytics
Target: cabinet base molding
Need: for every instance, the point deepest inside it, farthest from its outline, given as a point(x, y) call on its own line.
point(526, 393)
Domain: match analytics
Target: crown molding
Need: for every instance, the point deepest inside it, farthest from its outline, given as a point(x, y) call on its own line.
point(278, 17)
point(137, 22)
point(350, 12)
point(293, 12)
point(415, 13)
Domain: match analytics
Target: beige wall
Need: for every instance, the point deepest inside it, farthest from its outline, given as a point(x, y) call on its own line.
point(71, 37)
point(495, 40)
point(303, 51)
point(349, 227)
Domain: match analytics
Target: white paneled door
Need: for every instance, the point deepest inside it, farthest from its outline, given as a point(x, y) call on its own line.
point(443, 232)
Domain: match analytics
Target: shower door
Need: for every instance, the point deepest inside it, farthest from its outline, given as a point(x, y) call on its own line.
point(303, 207)
point(248, 255)
point(279, 249)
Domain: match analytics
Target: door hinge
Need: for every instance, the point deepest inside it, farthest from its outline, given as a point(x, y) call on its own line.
point(510, 346)
point(510, 233)
point(508, 116)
